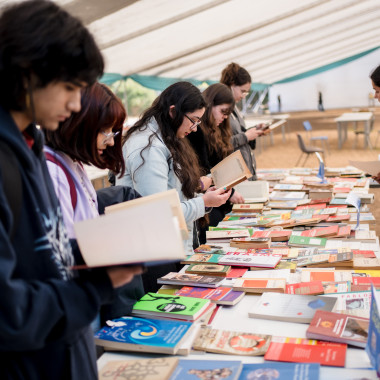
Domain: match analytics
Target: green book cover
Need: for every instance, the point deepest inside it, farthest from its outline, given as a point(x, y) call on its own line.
point(250, 230)
point(164, 304)
point(209, 258)
point(307, 241)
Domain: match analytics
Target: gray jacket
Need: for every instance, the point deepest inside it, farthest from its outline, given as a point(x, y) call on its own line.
point(157, 174)
point(240, 141)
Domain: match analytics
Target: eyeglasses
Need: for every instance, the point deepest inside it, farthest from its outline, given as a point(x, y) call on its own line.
point(196, 123)
point(109, 136)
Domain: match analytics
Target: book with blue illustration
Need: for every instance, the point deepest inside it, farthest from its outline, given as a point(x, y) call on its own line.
point(143, 334)
point(280, 371)
point(207, 369)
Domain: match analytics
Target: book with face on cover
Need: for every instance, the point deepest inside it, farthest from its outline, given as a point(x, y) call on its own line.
point(230, 171)
point(143, 369)
point(286, 371)
point(125, 237)
point(290, 307)
point(231, 342)
point(339, 328)
point(143, 334)
point(207, 370)
point(167, 306)
point(174, 278)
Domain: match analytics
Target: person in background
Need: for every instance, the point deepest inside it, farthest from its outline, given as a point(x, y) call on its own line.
point(91, 136)
point(46, 57)
point(239, 80)
point(212, 143)
point(320, 102)
point(158, 157)
point(375, 80)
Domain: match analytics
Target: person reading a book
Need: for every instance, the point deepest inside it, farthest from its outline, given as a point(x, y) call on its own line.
point(212, 143)
point(239, 80)
point(375, 79)
point(158, 157)
point(46, 58)
point(91, 136)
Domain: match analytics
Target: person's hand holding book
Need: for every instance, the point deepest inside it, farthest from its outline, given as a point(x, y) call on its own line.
point(120, 276)
point(216, 197)
point(237, 198)
point(253, 133)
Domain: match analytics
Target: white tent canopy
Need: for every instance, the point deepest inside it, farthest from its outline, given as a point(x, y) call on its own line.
point(273, 39)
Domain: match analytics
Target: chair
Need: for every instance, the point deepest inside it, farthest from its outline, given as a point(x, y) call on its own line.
point(322, 139)
point(308, 149)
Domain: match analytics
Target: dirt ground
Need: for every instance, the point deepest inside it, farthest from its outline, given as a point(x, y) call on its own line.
point(284, 154)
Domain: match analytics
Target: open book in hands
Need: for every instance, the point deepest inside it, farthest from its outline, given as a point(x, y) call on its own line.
point(145, 233)
point(230, 171)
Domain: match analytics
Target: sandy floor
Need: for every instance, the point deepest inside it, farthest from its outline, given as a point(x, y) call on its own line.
point(284, 154)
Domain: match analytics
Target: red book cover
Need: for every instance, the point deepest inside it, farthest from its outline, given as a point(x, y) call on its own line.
point(327, 354)
point(316, 206)
point(340, 328)
point(362, 253)
point(236, 272)
point(321, 231)
point(366, 281)
point(322, 217)
point(337, 206)
point(312, 287)
point(316, 201)
point(338, 218)
point(342, 189)
point(343, 231)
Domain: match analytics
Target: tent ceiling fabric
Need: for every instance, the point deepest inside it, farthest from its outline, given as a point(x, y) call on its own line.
point(273, 39)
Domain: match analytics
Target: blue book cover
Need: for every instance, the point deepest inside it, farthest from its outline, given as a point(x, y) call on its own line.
point(207, 369)
point(373, 342)
point(280, 371)
point(142, 334)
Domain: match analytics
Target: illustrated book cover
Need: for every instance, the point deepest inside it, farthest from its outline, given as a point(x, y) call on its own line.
point(290, 307)
point(174, 278)
point(231, 342)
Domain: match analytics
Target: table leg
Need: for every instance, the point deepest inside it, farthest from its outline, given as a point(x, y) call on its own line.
point(339, 135)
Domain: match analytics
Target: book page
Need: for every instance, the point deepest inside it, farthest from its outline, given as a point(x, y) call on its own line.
point(139, 234)
point(172, 197)
point(370, 167)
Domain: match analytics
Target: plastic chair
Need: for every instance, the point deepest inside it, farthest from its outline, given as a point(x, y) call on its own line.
point(308, 149)
point(322, 139)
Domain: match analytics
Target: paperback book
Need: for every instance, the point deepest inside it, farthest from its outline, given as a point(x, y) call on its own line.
point(260, 285)
point(339, 328)
point(209, 269)
point(252, 260)
point(166, 306)
point(231, 342)
point(221, 295)
point(208, 258)
point(142, 369)
point(290, 307)
point(143, 334)
point(207, 370)
point(174, 278)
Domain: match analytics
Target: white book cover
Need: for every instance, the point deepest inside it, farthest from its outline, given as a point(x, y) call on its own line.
point(254, 260)
point(145, 233)
point(280, 273)
point(287, 195)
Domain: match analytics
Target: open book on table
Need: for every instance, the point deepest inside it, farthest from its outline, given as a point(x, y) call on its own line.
point(146, 233)
point(230, 171)
point(171, 196)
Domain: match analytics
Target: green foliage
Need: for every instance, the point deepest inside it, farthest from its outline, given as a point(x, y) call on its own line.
point(138, 97)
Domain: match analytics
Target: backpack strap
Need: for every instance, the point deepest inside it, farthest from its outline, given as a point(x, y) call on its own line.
point(73, 190)
point(12, 183)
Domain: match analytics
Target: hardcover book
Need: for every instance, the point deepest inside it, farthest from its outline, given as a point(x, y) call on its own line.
point(231, 342)
point(330, 354)
point(339, 328)
point(174, 278)
point(166, 306)
point(207, 370)
point(221, 296)
point(230, 171)
point(290, 307)
point(142, 369)
point(143, 334)
point(251, 243)
point(282, 371)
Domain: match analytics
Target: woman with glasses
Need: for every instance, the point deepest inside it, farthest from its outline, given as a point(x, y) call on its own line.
point(89, 137)
point(239, 80)
point(158, 156)
point(212, 142)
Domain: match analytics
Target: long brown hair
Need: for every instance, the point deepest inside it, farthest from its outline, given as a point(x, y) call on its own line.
point(234, 74)
point(218, 137)
point(186, 98)
point(77, 136)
